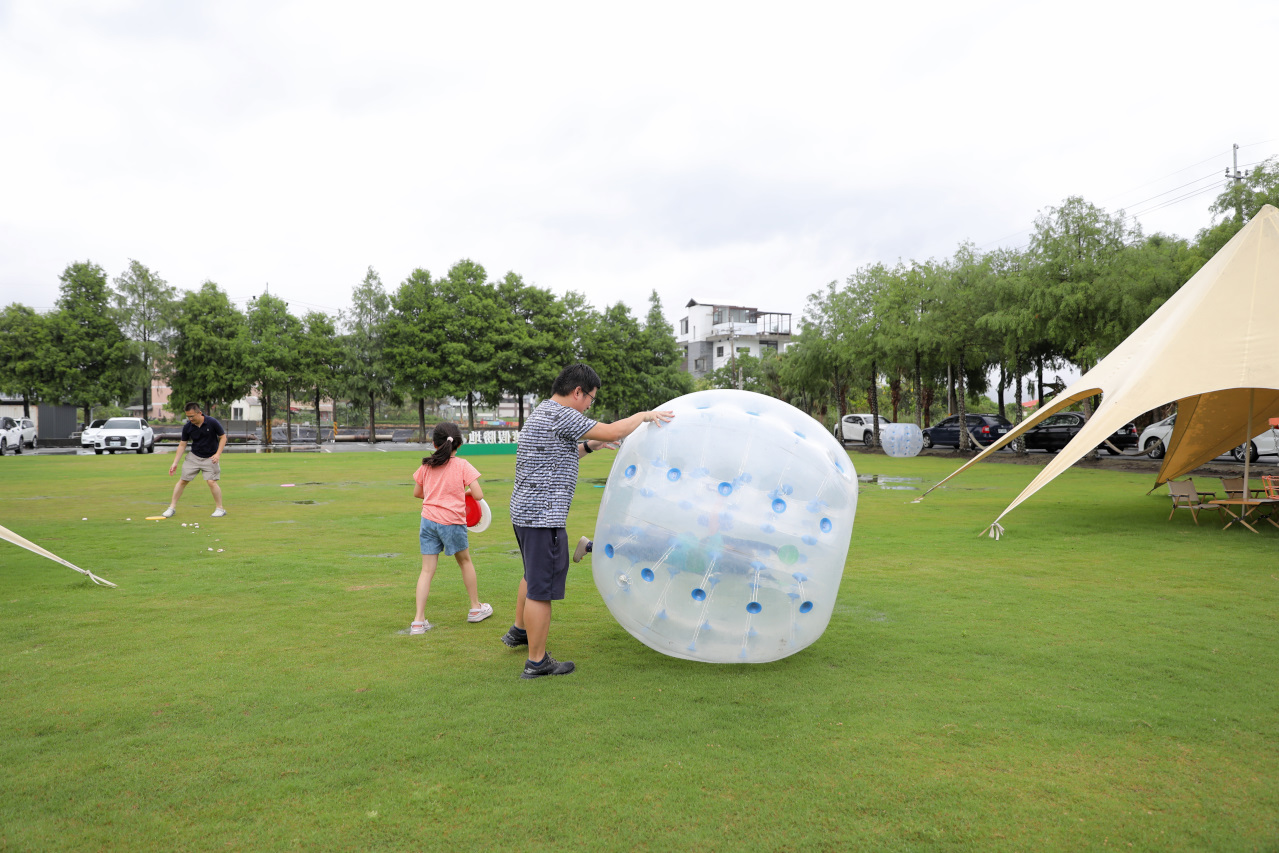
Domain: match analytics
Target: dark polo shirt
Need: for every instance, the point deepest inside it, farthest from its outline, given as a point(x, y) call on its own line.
point(203, 439)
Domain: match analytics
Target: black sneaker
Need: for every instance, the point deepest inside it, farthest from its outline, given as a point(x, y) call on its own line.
point(515, 637)
point(548, 666)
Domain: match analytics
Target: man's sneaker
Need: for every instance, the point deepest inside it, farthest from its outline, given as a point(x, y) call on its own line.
point(219, 512)
point(168, 513)
point(548, 666)
point(515, 637)
point(583, 548)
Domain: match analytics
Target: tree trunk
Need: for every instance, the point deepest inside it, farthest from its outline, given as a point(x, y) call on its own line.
point(87, 419)
point(965, 445)
point(1019, 414)
point(921, 414)
point(317, 415)
point(926, 403)
point(1003, 378)
point(372, 419)
point(288, 416)
point(1041, 381)
point(521, 397)
point(874, 399)
point(470, 409)
point(951, 404)
point(26, 405)
point(895, 392)
point(266, 418)
point(421, 418)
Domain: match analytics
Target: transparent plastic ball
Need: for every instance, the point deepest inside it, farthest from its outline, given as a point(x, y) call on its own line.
point(722, 535)
point(901, 439)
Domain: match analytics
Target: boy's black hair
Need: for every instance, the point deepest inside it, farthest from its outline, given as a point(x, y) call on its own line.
point(575, 376)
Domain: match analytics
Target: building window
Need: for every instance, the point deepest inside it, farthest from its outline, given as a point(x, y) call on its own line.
point(683, 326)
point(763, 345)
point(743, 350)
point(699, 364)
point(719, 352)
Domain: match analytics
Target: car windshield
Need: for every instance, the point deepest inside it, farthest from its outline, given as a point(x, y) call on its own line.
point(121, 423)
point(99, 422)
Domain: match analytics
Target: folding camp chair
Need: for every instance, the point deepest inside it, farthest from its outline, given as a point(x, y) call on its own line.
point(1185, 496)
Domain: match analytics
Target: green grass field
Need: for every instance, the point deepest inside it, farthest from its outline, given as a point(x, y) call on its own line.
point(1100, 678)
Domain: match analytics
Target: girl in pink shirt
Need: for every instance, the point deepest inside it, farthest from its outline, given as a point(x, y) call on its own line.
point(442, 483)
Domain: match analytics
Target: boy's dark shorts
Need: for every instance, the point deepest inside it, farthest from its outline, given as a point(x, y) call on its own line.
point(545, 554)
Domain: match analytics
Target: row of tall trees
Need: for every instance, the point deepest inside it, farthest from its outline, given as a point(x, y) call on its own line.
point(459, 336)
point(1084, 282)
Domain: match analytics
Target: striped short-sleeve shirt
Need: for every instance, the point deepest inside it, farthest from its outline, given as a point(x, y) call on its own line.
point(546, 465)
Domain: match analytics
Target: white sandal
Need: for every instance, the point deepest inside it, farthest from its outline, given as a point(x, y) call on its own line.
point(420, 627)
point(479, 615)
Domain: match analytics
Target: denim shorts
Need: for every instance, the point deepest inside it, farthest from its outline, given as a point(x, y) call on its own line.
point(436, 537)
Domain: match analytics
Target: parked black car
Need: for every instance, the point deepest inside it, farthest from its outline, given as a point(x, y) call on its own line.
point(984, 428)
point(1058, 430)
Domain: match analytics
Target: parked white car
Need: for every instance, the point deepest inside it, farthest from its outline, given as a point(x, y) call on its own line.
point(1154, 441)
point(1266, 444)
point(90, 432)
point(10, 436)
point(28, 428)
point(858, 428)
point(121, 434)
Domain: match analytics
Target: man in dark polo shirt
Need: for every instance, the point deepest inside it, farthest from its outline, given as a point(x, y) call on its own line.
point(207, 438)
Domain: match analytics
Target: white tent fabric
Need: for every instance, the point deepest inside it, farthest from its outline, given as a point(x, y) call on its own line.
point(1213, 348)
point(10, 536)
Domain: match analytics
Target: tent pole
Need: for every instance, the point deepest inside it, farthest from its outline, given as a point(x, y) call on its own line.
point(1247, 451)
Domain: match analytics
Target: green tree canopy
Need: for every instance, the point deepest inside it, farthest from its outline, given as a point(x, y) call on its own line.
point(144, 306)
point(90, 361)
point(210, 363)
point(24, 344)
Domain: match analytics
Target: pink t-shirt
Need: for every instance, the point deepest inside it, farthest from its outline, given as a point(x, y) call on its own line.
point(442, 490)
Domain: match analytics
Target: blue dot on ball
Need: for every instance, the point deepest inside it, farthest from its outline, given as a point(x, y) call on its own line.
point(825, 525)
point(805, 607)
point(726, 489)
point(672, 474)
point(779, 506)
point(608, 551)
point(630, 471)
point(647, 574)
point(699, 595)
point(754, 607)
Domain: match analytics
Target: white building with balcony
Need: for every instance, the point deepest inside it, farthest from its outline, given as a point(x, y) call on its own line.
point(710, 334)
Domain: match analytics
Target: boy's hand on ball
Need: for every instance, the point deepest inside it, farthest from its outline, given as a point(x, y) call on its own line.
point(658, 418)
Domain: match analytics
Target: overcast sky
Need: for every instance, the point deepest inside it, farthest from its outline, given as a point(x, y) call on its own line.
point(724, 152)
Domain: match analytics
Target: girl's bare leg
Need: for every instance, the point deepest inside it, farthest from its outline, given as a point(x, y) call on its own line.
point(468, 577)
point(429, 562)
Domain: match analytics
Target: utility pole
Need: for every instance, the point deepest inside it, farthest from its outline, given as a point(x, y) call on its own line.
point(1237, 176)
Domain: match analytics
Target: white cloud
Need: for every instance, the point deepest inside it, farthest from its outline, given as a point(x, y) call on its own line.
point(741, 151)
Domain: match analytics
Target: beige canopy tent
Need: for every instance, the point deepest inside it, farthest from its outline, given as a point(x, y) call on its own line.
point(1213, 348)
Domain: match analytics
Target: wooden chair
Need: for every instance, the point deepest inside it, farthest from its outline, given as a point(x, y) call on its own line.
point(1233, 487)
point(1185, 496)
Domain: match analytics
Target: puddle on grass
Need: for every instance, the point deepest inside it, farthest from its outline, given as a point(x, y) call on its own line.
point(897, 483)
point(905, 484)
point(377, 556)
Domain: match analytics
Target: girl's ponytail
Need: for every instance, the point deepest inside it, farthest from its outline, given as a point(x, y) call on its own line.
point(446, 438)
